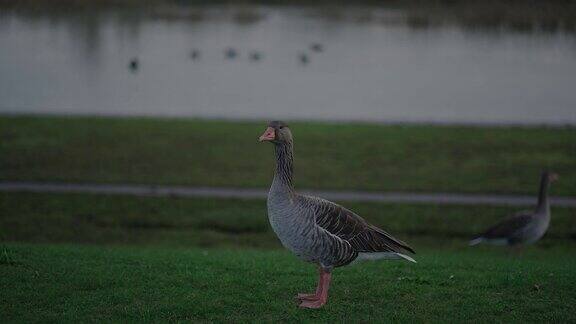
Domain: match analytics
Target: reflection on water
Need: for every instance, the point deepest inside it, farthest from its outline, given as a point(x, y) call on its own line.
point(285, 62)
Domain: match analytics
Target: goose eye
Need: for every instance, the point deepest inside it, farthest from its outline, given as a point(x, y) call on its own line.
point(281, 127)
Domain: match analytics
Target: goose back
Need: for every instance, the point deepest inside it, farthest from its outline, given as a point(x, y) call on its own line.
point(348, 226)
point(523, 227)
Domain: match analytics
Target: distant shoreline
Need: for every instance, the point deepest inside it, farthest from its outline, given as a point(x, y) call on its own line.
point(517, 15)
point(368, 122)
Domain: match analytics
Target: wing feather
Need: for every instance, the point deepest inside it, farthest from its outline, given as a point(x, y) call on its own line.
point(348, 226)
point(509, 226)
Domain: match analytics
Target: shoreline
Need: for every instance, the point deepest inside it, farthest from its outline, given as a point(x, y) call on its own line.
point(326, 121)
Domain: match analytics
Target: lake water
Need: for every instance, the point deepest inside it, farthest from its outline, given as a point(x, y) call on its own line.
point(378, 67)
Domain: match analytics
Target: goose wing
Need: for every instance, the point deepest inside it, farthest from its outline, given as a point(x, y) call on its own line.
point(509, 226)
point(348, 226)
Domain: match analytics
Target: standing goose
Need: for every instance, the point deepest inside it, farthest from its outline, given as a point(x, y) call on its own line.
point(317, 230)
point(525, 227)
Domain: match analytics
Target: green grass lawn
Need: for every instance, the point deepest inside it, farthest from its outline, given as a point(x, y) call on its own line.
point(97, 258)
point(63, 283)
point(328, 155)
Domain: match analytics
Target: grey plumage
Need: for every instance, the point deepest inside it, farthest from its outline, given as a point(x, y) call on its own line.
point(525, 227)
point(318, 230)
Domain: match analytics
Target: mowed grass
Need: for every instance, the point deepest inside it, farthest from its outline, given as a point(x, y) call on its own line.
point(62, 283)
point(328, 155)
point(97, 258)
point(230, 223)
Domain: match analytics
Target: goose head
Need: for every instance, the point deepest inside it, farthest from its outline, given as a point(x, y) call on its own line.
point(550, 176)
point(277, 132)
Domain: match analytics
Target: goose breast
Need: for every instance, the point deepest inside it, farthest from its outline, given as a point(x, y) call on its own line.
point(294, 222)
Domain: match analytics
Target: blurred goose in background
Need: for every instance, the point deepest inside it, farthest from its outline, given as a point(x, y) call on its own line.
point(525, 227)
point(317, 230)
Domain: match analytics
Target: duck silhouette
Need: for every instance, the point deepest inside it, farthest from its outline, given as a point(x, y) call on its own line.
point(195, 54)
point(255, 56)
point(304, 59)
point(134, 64)
point(317, 47)
point(231, 53)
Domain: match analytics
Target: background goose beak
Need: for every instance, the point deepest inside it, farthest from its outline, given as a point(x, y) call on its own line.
point(554, 177)
point(269, 135)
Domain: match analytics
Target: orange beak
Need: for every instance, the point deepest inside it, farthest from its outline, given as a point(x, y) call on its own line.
point(269, 135)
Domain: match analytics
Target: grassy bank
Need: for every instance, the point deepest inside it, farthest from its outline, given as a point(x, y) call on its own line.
point(510, 16)
point(96, 284)
point(97, 219)
point(328, 156)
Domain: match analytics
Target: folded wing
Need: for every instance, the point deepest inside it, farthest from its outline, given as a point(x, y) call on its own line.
point(361, 235)
point(508, 227)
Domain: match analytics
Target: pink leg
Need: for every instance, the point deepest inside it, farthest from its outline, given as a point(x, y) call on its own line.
point(321, 296)
point(315, 295)
point(307, 296)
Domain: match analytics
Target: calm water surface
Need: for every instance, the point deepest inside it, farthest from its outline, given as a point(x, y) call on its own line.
point(370, 70)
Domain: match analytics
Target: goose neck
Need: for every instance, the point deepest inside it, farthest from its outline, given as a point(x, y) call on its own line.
point(284, 166)
point(543, 194)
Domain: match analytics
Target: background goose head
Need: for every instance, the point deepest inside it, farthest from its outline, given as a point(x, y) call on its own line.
point(550, 176)
point(277, 133)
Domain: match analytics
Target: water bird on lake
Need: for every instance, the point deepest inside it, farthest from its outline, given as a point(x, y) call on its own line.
point(195, 54)
point(230, 53)
point(133, 64)
point(255, 56)
point(317, 47)
point(303, 57)
point(317, 230)
point(525, 227)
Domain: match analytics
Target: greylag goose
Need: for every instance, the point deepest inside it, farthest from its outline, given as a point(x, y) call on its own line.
point(317, 230)
point(525, 227)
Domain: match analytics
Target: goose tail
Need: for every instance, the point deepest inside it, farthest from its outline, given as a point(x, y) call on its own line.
point(384, 255)
point(405, 257)
point(476, 241)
